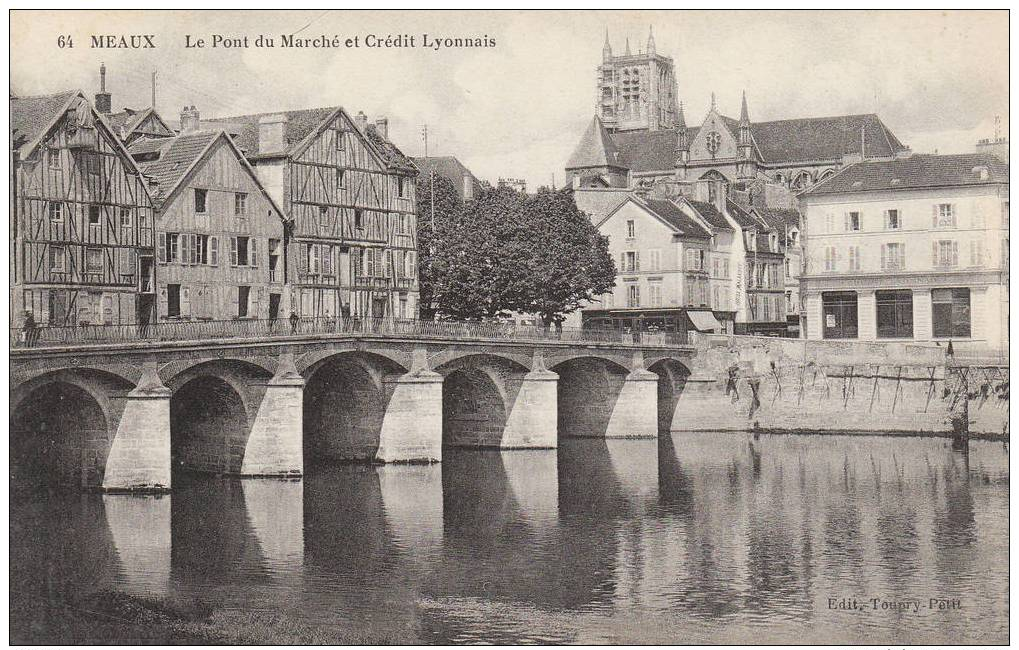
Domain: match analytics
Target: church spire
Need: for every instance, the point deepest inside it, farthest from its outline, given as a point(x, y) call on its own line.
point(606, 50)
point(650, 40)
point(744, 115)
point(682, 144)
point(627, 46)
point(680, 118)
point(712, 100)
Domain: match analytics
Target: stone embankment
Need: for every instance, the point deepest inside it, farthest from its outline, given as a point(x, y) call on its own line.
point(789, 385)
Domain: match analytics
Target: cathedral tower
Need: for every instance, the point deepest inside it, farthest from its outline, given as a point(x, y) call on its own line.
point(636, 91)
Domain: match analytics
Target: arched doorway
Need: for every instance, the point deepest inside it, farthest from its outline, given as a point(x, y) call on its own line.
point(208, 426)
point(60, 437)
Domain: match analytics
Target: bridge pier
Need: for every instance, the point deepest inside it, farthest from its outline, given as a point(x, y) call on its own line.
point(531, 423)
point(139, 457)
point(635, 414)
point(275, 444)
point(412, 425)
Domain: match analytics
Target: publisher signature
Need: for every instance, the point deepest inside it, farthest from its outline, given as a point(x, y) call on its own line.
point(914, 605)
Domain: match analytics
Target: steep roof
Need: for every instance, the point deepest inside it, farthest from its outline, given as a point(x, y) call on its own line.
point(671, 213)
point(448, 167)
point(177, 156)
point(778, 142)
point(711, 214)
point(915, 172)
point(299, 125)
point(31, 116)
point(595, 149)
point(778, 219)
point(741, 214)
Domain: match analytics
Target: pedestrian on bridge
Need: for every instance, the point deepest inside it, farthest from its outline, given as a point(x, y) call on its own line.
point(31, 329)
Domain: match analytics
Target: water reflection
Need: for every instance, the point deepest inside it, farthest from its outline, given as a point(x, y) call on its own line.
point(692, 538)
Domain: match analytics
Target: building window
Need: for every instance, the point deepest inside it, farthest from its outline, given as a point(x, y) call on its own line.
point(93, 215)
point(358, 218)
point(53, 158)
point(240, 204)
point(92, 163)
point(201, 197)
point(892, 220)
point(725, 268)
point(830, 258)
point(323, 215)
point(656, 259)
point(94, 260)
point(694, 260)
point(339, 178)
point(950, 312)
point(171, 247)
point(125, 217)
point(56, 211)
point(944, 215)
point(402, 186)
point(241, 251)
point(173, 300)
point(976, 252)
point(630, 262)
point(655, 294)
point(243, 293)
point(946, 253)
point(58, 259)
point(853, 221)
point(631, 229)
point(340, 143)
point(893, 256)
point(895, 314)
point(854, 258)
point(839, 314)
point(411, 264)
point(633, 295)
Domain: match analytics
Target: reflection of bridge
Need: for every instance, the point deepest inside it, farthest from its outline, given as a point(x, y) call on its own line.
point(115, 409)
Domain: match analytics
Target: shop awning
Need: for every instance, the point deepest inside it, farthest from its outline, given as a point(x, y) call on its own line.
point(703, 321)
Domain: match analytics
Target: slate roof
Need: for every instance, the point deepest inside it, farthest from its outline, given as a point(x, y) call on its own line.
point(918, 171)
point(741, 214)
point(778, 219)
point(675, 217)
point(448, 167)
point(177, 155)
point(31, 115)
point(711, 215)
point(244, 130)
point(126, 119)
point(595, 149)
point(777, 143)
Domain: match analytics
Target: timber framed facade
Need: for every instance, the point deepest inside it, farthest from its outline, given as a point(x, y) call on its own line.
point(349, 195)
point(82, 222)
point(220, 238)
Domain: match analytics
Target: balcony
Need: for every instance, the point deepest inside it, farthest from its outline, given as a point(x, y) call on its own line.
point(404, 284)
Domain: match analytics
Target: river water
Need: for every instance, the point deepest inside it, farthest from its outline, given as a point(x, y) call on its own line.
point(694, 538)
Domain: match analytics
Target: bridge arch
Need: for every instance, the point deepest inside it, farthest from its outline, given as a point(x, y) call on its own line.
point(212, 407)
point(672, 376)
point(587, 391)
point(62, 427)
point(345, 401)
point(478, 393)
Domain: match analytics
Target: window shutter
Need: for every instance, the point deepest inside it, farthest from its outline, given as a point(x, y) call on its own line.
point(934, 217)
point(636, 257)
point(234, 299)
point(846, 221)
point(327, 260)
point(252, 252)
point(213, 251)
point(185, 301)
point(622, 262)
point(161, 252)
point(233, 251)
point(955, 223)
point(389, 263)
point(411, 264)
point(378, 262)
point(162, 301)
point(255, 302)
point(934, 253)
point(955, 253)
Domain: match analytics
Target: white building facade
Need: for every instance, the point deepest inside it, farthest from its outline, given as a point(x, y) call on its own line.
point(912, 249)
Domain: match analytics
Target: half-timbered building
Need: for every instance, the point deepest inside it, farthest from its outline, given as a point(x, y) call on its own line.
point(349, 194)
point(219, 234)
point(82, 220)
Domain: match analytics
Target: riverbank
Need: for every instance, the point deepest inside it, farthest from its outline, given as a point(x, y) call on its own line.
point(111, 617)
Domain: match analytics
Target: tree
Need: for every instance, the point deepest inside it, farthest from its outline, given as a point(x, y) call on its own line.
point(563, 261)
point(447, 208)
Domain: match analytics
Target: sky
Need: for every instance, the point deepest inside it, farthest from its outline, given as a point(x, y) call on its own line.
point(517, 108)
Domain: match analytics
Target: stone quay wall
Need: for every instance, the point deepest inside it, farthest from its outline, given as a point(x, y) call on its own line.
point(792, 385)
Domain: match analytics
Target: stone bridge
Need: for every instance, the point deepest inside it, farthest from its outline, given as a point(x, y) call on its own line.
point(121, 416)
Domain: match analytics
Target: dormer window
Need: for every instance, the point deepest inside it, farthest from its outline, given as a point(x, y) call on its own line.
point(53, 158)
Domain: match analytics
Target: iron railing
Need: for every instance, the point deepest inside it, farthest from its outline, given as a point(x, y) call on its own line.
point(204, 330)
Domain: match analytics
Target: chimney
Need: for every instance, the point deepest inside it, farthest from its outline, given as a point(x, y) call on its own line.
point(382, 127)
point(468, 187)
point(361, 120)
point(189, 121)
point(104, 100)
point(271, 129)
